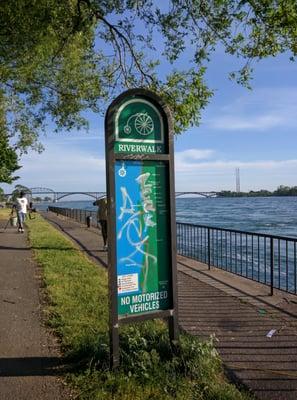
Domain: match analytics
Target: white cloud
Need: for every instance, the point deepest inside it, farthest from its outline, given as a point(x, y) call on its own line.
point(78, 139)
point(216, 174)
point(71, 137)
point(67, 168)
point(262, 122)
point(232, 164)
point(63, 168)
point(262, 109)
point(194, 154)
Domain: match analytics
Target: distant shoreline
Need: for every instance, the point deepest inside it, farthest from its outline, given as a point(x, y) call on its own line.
point(238, 195)
point(281, 191)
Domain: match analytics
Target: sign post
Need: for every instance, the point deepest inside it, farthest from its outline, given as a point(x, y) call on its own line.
point(141, 213)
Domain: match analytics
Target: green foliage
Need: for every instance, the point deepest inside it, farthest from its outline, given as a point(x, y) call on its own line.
point(186, 94)
point(77, 293)
point(17, 190)
point(150, 369)
point(285, 191)
point(2, 197)
point(59, 58)
point(280, 191)
point(8, 160)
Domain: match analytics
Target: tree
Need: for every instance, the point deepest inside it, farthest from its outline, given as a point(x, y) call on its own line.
point(8, 155)
point(2, 196)
point(8, 160)
point(59, 58)
point(17, 190)
point(286, 191)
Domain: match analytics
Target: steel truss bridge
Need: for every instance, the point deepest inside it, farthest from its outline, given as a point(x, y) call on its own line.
point(56, 196)
point(200, 194)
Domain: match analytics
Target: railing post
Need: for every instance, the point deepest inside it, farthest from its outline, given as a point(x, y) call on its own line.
point(271, 266)
point(208, 247)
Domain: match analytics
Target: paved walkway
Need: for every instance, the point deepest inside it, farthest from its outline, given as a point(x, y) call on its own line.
point(241, 322)
point(239, 312)
point(30, 363)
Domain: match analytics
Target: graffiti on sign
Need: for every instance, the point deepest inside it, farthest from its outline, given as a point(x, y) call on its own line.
point(143, 265)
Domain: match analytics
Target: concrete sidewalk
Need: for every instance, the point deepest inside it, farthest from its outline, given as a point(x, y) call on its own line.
point(30, 363)
point(241, 321)
point(239, 312)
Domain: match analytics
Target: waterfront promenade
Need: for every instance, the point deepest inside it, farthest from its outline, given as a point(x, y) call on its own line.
point(240, 313)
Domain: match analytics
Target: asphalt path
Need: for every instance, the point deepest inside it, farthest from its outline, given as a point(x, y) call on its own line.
point(31, 366)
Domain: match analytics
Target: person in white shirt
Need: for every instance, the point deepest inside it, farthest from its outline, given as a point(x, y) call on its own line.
point(21, 205)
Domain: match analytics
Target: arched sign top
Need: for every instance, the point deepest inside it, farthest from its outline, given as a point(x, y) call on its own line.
point(141, 123)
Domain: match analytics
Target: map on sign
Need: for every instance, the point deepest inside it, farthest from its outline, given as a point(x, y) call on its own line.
point(143, 263)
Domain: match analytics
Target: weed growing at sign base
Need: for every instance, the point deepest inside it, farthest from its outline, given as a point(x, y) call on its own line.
point(149, 370)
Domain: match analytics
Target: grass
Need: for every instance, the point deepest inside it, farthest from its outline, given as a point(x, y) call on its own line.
point(4, 213)
point(78, 311)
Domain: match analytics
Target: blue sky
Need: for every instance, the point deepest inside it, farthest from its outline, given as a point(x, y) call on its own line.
point(251, 130)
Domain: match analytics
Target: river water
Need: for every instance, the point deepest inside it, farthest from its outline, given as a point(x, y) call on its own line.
point(274, 215)
point(270, 215)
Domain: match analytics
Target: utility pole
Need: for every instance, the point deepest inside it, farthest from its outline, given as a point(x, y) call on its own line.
point(237, 173)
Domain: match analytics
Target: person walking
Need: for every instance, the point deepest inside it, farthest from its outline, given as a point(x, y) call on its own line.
point(102, 218)
point(21, 205)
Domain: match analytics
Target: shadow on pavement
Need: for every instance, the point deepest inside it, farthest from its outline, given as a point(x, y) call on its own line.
point(31, 366)
point(261, 299)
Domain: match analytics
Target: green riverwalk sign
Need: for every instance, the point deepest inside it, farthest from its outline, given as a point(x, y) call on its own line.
point(139, 128)
point(141, 213)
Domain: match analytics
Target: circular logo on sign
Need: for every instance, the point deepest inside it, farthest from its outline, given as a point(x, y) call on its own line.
point(143, 124)
point(122, 171)
point(138, 120)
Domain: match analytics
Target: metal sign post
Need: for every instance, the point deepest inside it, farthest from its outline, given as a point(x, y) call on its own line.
point(141, 213)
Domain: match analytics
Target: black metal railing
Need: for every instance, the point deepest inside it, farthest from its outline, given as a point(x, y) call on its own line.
point(88, 217)
point(264, 258)
point(268, 259)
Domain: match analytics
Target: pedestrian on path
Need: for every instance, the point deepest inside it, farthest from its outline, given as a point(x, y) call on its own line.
point(21, 206)
point(102, 218)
